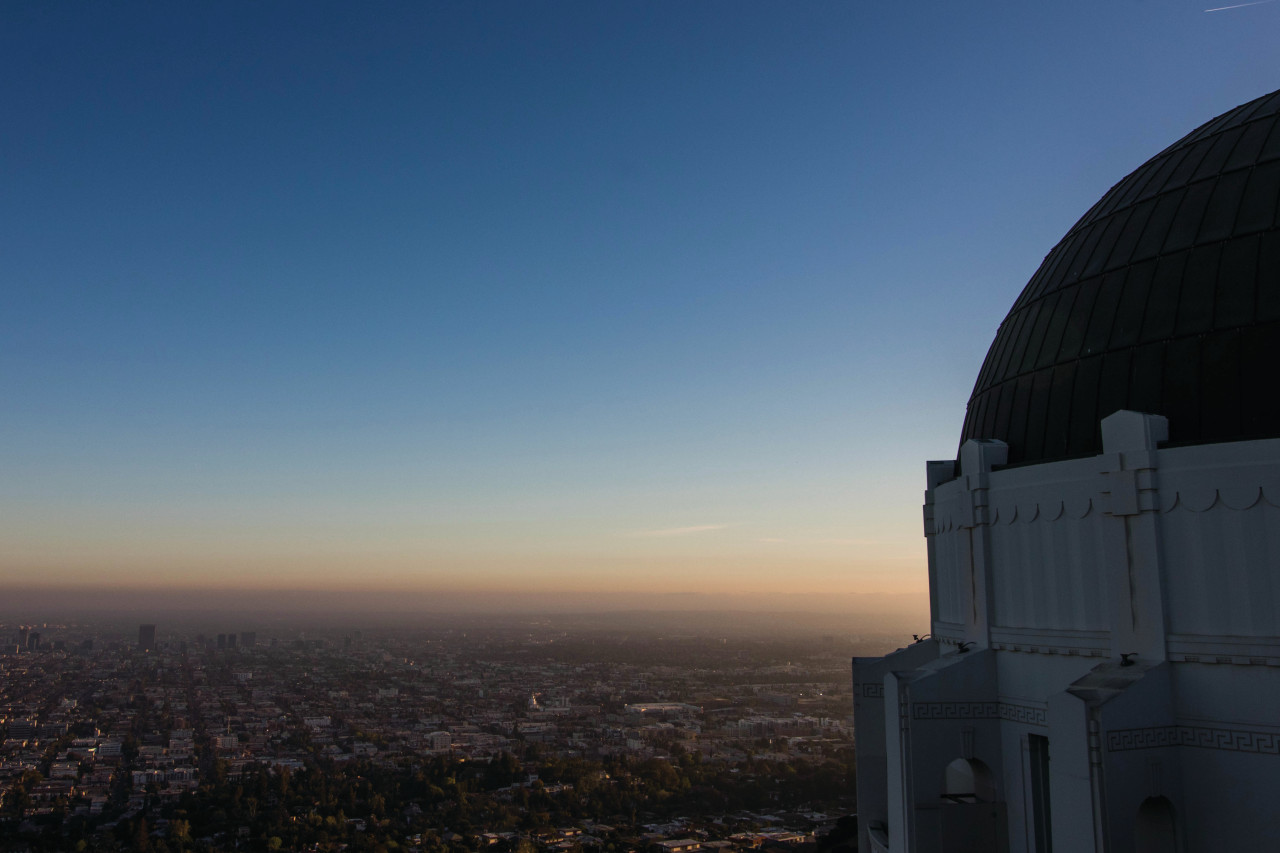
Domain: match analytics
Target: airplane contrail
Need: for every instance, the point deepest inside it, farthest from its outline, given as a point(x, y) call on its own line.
point(1240, 5)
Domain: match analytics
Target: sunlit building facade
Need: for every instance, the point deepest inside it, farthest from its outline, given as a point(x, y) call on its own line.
point(1104, 556)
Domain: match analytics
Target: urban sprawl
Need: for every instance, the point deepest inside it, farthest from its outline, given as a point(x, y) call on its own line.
point(512, 737)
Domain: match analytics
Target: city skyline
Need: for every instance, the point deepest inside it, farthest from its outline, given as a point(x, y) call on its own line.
point(604, 304)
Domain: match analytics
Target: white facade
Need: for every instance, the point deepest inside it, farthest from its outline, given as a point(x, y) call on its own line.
point(1104, 668)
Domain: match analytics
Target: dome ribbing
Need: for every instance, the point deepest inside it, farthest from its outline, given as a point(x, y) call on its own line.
point(1163, 298)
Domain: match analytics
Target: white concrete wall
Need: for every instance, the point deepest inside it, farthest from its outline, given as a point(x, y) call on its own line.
point(1172, 553)
point(1047, 572)
point(1220, 565)
point(952, 571)
point(1047, 529)
point(871, 729)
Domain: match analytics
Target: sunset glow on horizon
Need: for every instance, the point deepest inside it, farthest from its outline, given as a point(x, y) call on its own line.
point(608, 302)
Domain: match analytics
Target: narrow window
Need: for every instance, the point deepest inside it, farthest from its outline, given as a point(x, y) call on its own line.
point(1039, 748)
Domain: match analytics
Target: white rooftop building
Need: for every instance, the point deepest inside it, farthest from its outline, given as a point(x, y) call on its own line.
point(1103, 672)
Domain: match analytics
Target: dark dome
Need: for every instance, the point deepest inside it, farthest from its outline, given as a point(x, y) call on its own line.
point(1163, 298)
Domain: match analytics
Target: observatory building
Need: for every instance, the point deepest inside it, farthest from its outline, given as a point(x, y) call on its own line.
point(1104, 556)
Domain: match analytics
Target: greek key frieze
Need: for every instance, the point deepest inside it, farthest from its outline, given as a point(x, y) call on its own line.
point(1204, 737)
point(1027, 714)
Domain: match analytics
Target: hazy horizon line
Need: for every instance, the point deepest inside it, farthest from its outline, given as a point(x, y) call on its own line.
point(872, 607)
point(452, 591)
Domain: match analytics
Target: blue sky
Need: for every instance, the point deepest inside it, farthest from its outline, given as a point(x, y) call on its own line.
point(611, 297)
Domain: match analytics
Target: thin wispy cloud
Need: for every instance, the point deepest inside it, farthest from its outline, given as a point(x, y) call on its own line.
point(668, 532)
point(828, 540)
point(1240, 5)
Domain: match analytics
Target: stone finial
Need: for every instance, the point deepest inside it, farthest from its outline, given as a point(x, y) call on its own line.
point(980, 455)
point(1126, 431)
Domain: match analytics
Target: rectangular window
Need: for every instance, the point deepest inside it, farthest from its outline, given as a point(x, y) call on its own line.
point(1039, 748)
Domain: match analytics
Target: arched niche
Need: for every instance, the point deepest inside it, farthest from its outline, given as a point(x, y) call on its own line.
point(969, 780)
point(1155, 830)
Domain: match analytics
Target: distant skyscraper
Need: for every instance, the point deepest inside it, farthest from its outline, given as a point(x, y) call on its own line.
point(231, 641)
point(222, 641)
point(23, 632)
point(146, 638)
point(33, 641)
